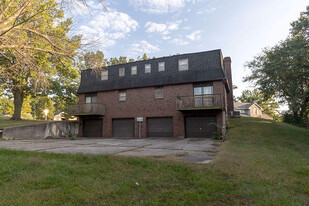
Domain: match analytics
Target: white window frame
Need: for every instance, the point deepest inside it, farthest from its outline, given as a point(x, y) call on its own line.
point(183, 64)
point(255, 111)
point(122, 95)
point(104, 75)
point(161, 66)
point(146, 70)
point(122, 71)
point(133, 70)
point(159, 93)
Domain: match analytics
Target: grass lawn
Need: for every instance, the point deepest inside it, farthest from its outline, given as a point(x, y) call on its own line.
point(6, 122)
point(261, 163)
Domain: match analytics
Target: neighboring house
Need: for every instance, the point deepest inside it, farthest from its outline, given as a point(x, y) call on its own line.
point(174, 96)
point(250, 109)
point(58, 116)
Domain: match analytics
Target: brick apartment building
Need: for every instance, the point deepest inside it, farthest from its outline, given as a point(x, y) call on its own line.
point(174, 96)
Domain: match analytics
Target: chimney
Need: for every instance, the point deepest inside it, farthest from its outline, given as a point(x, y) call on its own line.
point(228, 72)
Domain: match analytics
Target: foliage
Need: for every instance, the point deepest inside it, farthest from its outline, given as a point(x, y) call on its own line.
point(218, 134)
point(269, 105)
point(34, 48)
point(283, 70)
point(39, 104)
point(6, 106)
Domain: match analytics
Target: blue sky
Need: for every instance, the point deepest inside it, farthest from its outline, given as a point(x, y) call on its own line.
point(241, 28)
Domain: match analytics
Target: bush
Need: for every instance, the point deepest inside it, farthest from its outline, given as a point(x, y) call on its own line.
point(294, 119)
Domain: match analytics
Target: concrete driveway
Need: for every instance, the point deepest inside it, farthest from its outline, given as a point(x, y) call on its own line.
point(193, 150)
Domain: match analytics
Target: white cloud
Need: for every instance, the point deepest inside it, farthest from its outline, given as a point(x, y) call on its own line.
point(196, 35)
point(179, 42)
point(159, 6)
point(166, 37)
point(108, 27)
point(152, 27)
point(206, 11)
point(138, 49)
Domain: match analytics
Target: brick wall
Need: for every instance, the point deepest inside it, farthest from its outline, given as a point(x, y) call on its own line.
point(228, 70)
point(141, 102)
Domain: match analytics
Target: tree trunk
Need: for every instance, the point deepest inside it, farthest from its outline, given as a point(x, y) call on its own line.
point(18, 103)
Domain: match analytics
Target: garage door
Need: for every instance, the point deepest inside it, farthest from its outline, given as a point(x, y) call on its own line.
point(93, 128)
point(123, 127)
point(199, 126)
point(160, 127)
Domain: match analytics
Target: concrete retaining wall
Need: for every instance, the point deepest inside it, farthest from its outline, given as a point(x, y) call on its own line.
point(41, 131)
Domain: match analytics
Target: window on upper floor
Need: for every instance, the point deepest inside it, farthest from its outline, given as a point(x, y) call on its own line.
point(91, 98)
point(147, 68)
point(121, 71)
point(161, 66)
point(203, 89)
point(122, 95)
point(183, 65)
point(159, 92)
point(133, 70)
point(104, 74)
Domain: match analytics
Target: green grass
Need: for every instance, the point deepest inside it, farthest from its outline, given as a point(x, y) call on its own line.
point(6, 122)
point(261, 163)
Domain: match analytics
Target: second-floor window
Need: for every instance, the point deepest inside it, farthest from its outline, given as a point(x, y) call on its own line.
point(161, 66)
point(122, 95)
point(121, 71)
point(183, 65)
point(159, 92)
point(203, 90)
point(200, 90)
point(104, 75)
point(91, 98)
point(133, 70)
point(147, 68)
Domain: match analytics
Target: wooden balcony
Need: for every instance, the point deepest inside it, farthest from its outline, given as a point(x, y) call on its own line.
point(200, 102)
point(86, 109)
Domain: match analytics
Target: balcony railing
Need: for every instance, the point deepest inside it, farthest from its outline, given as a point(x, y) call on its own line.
point(87, 109)
point(200, 102)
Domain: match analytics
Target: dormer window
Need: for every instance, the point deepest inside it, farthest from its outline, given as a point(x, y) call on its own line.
point(121, 71)
point(104, 75)
point(183, 65)
point(133, 70)
point(147, 68)
point(161, 66)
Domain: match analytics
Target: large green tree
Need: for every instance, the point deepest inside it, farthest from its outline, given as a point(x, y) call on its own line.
point(35, 50)
point(269, 105)
point(283, 70)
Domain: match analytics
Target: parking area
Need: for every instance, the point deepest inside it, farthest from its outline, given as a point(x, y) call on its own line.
point(198, 150)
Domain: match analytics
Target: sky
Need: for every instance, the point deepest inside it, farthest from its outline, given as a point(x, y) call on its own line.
point(240, 28)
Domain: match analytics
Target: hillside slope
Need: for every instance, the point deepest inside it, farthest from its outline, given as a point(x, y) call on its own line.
point(261, 163)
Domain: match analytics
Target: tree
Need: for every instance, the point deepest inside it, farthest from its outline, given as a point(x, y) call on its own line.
point(34, 48)
point(269, 105)
point(122, 60)
point(283, 70)
point(39, 104)
point(91, 60)
point(145, 57)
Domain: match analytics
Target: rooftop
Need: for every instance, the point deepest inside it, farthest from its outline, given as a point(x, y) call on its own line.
point(203, 66)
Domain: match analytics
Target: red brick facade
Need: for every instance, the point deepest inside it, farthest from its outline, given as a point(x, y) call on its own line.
point(228, 70)
point(141, 102)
